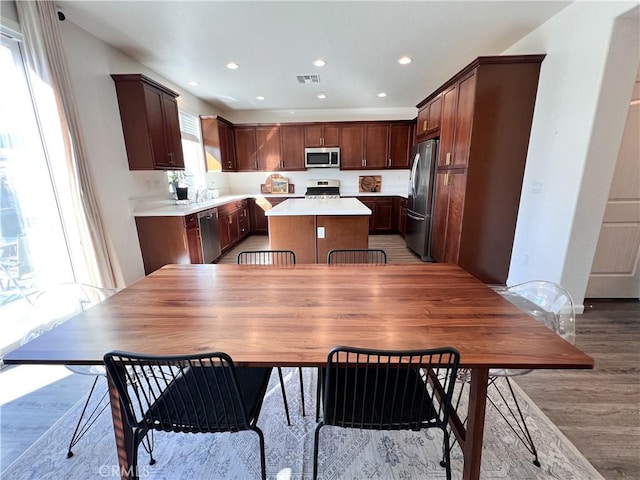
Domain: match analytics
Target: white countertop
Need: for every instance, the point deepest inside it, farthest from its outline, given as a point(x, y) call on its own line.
point(319, 206)
point(170, 209)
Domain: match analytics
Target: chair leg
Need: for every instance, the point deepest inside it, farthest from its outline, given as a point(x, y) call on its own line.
point(315, 450)
point(301, 390)
point(263, 461)
point(524, 435)
point(284, 396)
point(319, 384)
point(82, 428)
point(447, 453)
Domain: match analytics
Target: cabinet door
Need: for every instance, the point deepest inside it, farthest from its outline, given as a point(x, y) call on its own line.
point(234, 227)
point(330, 136)
point(399, 145)
point(435, 112)
point(224, 231)
point(313, 136)
point(352, 147)
point(268, 148)
point(402, 217)
point(155, 124)
point(464, 120)
point(447, 215)
point(227, 147)
point(193, 240)
point(172, 131)
point(212, 138)
point(376, 146)
point(292, 147)
point(259, 221)
point(243, 219)
point(246, 159)
point(383, 215)
point(447, 126)
point(422, 122)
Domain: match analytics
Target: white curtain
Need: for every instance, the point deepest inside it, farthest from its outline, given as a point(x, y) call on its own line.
point(93, 257)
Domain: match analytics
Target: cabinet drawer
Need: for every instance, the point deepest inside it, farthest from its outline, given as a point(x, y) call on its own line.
point(191, 221)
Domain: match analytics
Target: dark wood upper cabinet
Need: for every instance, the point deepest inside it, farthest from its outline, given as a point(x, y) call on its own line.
point(268, 146)
point(352, 147)
point(321, 135)
point(246, 149)
point(150, 125)
point(292, 147)
point(429, 118)
point(218, 144)
point(400, 136)
point(376, 146)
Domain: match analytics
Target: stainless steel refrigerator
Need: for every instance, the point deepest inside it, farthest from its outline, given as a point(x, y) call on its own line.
point(420, 198)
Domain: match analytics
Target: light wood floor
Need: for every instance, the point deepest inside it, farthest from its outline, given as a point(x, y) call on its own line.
point(598, 410)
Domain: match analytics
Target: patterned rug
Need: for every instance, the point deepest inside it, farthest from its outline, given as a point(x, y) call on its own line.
point(344, 453)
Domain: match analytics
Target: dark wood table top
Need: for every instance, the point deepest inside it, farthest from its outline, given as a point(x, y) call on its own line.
point(295, 315)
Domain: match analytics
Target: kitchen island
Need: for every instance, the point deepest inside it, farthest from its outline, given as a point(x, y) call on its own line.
point(311, 227)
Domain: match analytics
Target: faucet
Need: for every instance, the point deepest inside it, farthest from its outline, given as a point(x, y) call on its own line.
point(203, 194)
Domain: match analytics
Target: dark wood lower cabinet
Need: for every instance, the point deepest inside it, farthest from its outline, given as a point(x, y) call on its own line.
point(165, 240)
point(383, 215)
point(402, 215)
point(447, 215)
point(233, 223)
point(258, 207)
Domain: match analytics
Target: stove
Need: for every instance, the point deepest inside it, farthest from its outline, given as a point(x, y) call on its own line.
point(323, 189)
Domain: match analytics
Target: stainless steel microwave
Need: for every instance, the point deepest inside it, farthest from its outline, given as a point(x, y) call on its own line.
point(322, 157)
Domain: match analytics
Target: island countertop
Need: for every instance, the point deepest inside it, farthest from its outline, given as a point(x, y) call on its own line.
point(319, 206)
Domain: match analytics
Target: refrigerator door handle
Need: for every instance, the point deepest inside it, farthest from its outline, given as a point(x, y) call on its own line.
point(410, 215)
point(413, 174)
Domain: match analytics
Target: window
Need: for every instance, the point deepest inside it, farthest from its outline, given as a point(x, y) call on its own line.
point(34, 242)
point(193, 175)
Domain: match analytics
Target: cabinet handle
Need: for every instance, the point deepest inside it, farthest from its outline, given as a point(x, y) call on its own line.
point(424, 125)
point(446, 179)
point(448, 159)
point(171, 160)
point(389, 162)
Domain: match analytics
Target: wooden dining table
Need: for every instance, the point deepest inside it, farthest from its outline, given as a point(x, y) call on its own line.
point(293, 315)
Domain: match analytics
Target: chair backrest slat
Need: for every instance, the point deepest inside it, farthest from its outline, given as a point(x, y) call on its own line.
point(266, 257)
point(187, 393)
point(389, 390)
point(370, 256)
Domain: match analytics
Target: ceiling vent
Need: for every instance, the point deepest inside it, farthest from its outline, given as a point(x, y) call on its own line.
point(304, 79)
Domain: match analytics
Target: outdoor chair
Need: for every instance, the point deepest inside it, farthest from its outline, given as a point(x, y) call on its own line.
point(551, 305)
point(201, 393)
point(49, 309)
point(388, 390)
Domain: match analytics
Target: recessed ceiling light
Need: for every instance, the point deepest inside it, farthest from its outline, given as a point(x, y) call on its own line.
point(319, 63)
point(322, 95)
point(260, 97)
point(193, 83)
point(233, 66)
point(382, 94)
point(405, 60)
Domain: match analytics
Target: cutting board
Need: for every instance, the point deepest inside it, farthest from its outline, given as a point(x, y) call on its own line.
point(370, 183)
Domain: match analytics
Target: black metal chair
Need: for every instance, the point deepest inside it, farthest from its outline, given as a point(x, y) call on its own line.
point(388, 390)
point(202, 393)
point(266, 257)
point(274, 258)
point(358, 255)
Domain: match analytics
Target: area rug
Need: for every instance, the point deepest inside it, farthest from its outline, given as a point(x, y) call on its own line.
point(344, 453)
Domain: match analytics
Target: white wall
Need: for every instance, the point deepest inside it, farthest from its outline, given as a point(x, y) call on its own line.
point(584, 90)
point(90, 63)
point(328, 115)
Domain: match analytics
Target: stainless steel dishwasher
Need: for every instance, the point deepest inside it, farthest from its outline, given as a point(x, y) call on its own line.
point(209, 236)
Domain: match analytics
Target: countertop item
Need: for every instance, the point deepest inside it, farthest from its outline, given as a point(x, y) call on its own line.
point(317, 206)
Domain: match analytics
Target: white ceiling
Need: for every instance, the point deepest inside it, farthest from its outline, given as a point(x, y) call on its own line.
point(275, 41)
